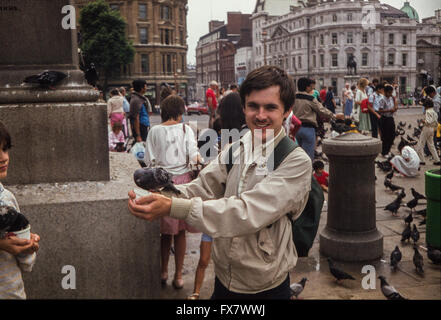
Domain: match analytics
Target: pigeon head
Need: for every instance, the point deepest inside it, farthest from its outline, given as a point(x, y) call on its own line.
point(383, 280)
point(303, 281)
point(162, 176)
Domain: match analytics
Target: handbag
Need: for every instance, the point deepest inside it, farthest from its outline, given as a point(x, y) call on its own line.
point(138, 150)
point(194, 168)
point(364, 106)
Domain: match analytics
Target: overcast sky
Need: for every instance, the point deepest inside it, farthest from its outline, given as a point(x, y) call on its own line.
point(202, 11)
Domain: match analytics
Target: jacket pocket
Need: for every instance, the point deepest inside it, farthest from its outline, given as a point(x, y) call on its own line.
point(266, 245)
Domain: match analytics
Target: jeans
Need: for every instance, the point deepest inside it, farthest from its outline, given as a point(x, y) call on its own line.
point(281, 292)
point(306, 139)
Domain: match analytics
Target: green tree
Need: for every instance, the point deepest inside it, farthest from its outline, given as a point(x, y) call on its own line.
point(103, 39)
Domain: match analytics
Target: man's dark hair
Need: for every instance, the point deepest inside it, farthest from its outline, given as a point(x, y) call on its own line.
point(138, 85)
point(428, 103)
point(375, 81)
point(402, 144)
point(330, 88)
point(5, 138)
point(303, 83)
point(429, 90)
point(313, 81)
point(165, 92)
point(172, 107)
point(353, 87)
point(233, 86)
point(268, 76)
point(318, 165)
point(388, 88)
point(379, 87)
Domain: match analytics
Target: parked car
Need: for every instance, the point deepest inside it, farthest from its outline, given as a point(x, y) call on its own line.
point(197, 108)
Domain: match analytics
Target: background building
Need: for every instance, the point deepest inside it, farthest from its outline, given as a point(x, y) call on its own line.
point(216, 50)
point(316, 39)
point(158, 30)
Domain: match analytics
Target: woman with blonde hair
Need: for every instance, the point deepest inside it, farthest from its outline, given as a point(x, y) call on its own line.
point(364, 122)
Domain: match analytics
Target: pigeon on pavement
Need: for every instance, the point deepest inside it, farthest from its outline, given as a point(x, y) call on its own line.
point(417, 195)
point(415, 234)
point(337, 273)
point(409, 218)
point(434, 255)
point(412, 204)
point(406, 233)
point(297, 288)
point(395, 257)
point(418, 260)
point(388, 291)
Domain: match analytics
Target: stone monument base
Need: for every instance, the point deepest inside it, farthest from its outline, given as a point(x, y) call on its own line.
point(87, 225)
point(353, 247)
point(57, 142)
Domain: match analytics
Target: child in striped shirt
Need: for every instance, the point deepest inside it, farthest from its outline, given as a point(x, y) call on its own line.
point(16, 255)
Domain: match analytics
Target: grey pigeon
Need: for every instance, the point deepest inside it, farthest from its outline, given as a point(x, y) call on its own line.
point(417, 195)
point(337, 273)
point(389, 291)
point(297, 288)
point(415, 234)
point(154, 179)
point(47, 78)
point(418, 260)
point(434, 255)
point(395, 257)
point(405, 235)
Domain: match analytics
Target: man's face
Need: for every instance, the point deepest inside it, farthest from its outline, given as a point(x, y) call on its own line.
point(4, 162)
point(312, 86)
point(264, 111)
point(144, 89)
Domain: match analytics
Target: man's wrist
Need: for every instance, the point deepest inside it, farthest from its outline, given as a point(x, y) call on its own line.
point(180, 208)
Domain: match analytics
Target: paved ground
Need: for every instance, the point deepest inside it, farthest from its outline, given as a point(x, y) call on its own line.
point(321, 285)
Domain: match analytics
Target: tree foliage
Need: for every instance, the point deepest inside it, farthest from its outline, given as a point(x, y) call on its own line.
point(103, 38)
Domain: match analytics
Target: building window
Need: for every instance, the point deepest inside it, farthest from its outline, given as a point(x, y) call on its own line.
point(391, 38)
point(334, 85)
point(114, 7)
point(145, 63)
point(334, 59)
point(322, 61)
point(181, 37)
point(322, 40)
point(300, 42)
point(293, 43)
point(294, 62)
point(181, 16)
point(334, 18)
point(166, 36)
point(300, 62)
point(403, 82)
point(321, 19)
point(143, 36)
point(334, 38)
point(166, 13)
point(364, 59)
point(391, 59)
point(349, 16)
point(404, 39)
point(349, 38)
point(314, 61)
point(364, 38)
point(281, 46)
point(287, 45)
point(404, 56)
point(183, 66)
point(142, 11)
point(166, 63)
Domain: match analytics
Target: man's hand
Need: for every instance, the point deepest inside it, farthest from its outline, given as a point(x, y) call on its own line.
point(149, 208)
point(16, 246)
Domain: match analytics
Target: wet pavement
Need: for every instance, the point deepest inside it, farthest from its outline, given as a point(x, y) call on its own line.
point(321, 284)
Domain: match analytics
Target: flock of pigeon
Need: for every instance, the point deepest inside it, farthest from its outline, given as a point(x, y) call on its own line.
point(409, 233)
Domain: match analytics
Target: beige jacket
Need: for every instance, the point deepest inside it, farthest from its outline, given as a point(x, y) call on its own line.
point(307, 110)
point(115, 105)
point(249, 256)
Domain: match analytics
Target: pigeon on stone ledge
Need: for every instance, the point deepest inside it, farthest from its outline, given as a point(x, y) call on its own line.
point(46, 79)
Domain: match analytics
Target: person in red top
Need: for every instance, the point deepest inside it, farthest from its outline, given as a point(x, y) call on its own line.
point(212, 101)
point(323, 94)
point(320, 174)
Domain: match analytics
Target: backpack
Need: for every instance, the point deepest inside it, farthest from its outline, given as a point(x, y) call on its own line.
point(304, 229)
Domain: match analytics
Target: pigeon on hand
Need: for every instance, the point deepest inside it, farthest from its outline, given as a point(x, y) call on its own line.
point(46, 79)
point(297, 288)
point(395, 257)
point(417, 195)
point(408, 219)
point(11, 220)
point(412, 204)
point(388, 291)
point(434, 255)
point(418, 260)
point(337, 273)
point(405, 235)
point(154, 178)
point(415, 234)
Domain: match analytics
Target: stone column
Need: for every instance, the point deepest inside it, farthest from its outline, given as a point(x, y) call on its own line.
point(59, 134)
point(351, 233)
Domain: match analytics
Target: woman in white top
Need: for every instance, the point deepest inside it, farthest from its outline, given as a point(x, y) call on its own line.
point(172, 145)
point(115, 110)
point(364, 125)
point(408, 162)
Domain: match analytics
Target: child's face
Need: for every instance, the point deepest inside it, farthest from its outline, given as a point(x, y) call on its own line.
point(4, 162)
point(319, 171)
point(117, 131)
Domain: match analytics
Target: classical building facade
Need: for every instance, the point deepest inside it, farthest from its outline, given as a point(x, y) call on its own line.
point(158, 30)
point(316, 39)
point(216, 50)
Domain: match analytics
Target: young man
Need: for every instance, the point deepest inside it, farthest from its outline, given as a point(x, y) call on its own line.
point(139, 117)
point(387, 107)
point(307, 109)
point(245, 210)
point(374, 105)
